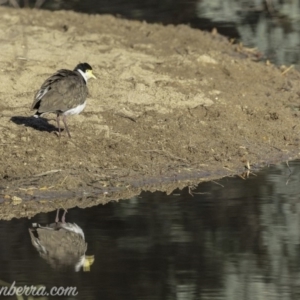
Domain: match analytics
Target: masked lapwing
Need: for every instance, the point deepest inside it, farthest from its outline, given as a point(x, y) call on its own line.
point(61, 244)
point(64, 93)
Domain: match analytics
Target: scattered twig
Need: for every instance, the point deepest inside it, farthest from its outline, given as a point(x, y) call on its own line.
point(46, 188)
point(122, 115)
point(248, 172)
point(287, 163)
point(288, 179)
point(199, 193)
point(28, 189)
point(228, 169)
point(287, 70)
point(63, 180)
point(218, 183)
point(190, 190)
point(47, 173)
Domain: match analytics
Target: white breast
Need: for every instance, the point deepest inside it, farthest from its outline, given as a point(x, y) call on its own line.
point(76, 110)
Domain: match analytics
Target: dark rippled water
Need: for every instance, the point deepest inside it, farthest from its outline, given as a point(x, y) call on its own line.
point(234, 239)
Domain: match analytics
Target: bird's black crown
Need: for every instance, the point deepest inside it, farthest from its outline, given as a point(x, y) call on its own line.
point(83, 67)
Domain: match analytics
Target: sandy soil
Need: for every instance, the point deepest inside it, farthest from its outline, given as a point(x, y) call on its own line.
point(172, 106)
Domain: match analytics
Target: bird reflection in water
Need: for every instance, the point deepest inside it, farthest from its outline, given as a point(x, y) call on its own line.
point(61, 244)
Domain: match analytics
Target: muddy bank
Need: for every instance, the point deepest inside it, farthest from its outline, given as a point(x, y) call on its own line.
point(170, 103)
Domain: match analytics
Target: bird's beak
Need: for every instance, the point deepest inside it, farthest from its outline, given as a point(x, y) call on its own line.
point(92, 75)
point(88, 261)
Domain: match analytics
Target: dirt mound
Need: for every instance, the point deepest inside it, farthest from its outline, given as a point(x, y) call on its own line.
point(171, 103)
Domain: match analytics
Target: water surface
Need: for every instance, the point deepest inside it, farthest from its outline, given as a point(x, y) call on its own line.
point(232, 239)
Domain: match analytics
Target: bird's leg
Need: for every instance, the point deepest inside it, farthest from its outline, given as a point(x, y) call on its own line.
point(14, 3)
point(63, 218)
point(66, 126)
point(57, 119)
point(39, 3)
point(57, 216)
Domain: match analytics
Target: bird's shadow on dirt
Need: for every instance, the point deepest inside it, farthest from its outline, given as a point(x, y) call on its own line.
point(40, 124)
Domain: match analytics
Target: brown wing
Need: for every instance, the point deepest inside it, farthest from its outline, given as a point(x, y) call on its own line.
point(62, 91)
point(61, 248)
